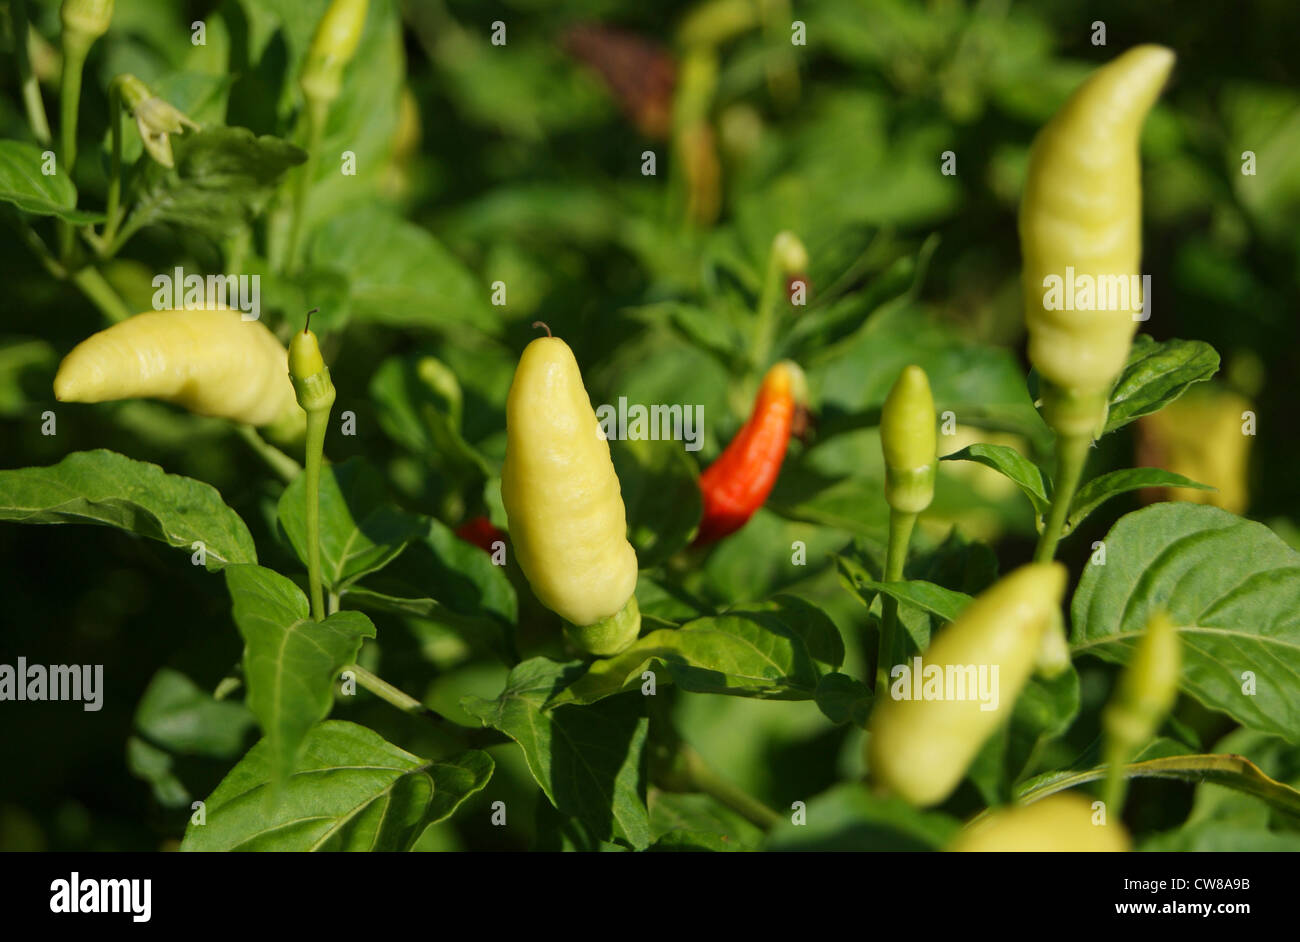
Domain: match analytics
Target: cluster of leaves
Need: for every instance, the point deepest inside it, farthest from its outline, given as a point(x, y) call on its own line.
point(529, 176)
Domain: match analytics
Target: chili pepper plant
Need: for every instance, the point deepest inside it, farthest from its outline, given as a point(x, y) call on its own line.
point(705, 425)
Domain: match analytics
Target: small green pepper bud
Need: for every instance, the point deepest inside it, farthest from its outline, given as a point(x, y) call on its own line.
point(84, 21)
point(310, 375)
point(790, 253)
point(1146, 689)
point(332, 47)
point(155, 118)
point(907, 437)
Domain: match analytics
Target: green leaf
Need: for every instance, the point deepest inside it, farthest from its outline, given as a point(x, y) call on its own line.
point(1231, 586)
point(590, 761)
point(746, 654)
point(1103, 487)
point(360, 530)
point(699, 326)
point(1218, 837)
point(24, 185)
point(661, 494)
point(849, 817)
point(698, 823)
point(103, 487)
point(843, 699)
point(935, 599)
point(422, 417)
point(965, 565)
point(156, 766)
point(431, 609)
point(222, 180)
point(810, 623)
point(400, 275)
point(290, 662)
point(441, 565)
point(1157, 373)
point(176, 714)
point(350, 791)
point(1043, 711)
point(1023, 472)
point(852, 504)
point(984, 386)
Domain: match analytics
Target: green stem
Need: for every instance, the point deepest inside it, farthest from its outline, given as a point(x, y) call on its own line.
point(94, 286)
point(130, 228)
point(315, 116)
point(89, 280)
point(765, 319)
point(1231, 771)
point(1113, 789)
point(900, 535)
point(409, 705)
point(285, 467)
point(32, 100)
point(703, 779)
point(34, 242)
point(75, 48)
point(1071, 455)
point(317, 420)
point(114, 207)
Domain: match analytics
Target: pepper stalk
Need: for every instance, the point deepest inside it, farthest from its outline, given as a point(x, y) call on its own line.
point(333, 46)
point(907, 438)
point(84, 21)
point(315, 391)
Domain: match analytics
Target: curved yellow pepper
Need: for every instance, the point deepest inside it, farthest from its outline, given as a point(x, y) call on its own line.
point(1082, 209)
point(212, 362)
point(920, 748)
point(1062, 822)
point(561, 495)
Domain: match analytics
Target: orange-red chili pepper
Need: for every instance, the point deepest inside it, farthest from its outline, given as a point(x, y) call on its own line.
point(738, 482)
point(480, 532)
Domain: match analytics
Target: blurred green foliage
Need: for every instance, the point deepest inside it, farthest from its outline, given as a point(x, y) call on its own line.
point(479, 163)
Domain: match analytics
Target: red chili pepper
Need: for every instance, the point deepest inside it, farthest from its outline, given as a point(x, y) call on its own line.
point(480, 532)
point(738, 482)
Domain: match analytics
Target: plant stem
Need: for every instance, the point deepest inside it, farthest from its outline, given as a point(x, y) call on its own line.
point(703, 779)
point(900, 534)
point(1113, 790)
point(285, 467)
point(114, 207)
point(75, 49)
point(89, 280)
point(765, 319)
point(130, 228)
point(94, 286)
point(1231, 771)
point(408, 704)
point(317, 420)
point(1071, 455)
point(32, 101)
point(315, 116)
